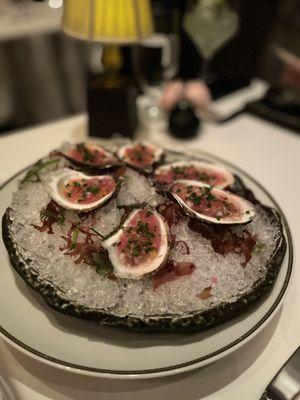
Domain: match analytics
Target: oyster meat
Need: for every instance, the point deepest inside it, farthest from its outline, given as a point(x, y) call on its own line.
point(89, 156)
point(75, 190)
point(141, 155)
point(141, 246)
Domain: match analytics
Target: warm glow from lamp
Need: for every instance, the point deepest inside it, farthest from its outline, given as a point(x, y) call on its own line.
point(108, 21)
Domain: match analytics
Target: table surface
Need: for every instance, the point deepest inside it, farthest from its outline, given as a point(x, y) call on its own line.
point(268, 153)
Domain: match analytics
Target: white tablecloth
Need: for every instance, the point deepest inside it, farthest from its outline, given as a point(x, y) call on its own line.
point(271, 155)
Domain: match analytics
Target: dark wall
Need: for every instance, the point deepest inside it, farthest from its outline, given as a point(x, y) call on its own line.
point(239, 58)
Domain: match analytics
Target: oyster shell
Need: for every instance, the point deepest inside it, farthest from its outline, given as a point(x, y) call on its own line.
point(75, 190)
point(141, 246)
point(210, 174)
point(140, 155)
point(90, 156)
point(211, 204)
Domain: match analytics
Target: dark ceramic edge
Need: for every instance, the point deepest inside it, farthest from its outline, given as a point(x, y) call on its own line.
point(199, 321)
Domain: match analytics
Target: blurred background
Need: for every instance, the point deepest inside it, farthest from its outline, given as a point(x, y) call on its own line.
point(218, 45)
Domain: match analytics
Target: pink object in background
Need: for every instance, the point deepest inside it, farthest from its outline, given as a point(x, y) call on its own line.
point(290, 75)
point(198, 94)
point(171, 94)
point(195, 91)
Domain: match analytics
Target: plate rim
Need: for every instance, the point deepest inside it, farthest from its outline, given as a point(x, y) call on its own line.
point(181, 367)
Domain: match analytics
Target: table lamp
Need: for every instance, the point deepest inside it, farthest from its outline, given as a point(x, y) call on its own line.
point(112, 23)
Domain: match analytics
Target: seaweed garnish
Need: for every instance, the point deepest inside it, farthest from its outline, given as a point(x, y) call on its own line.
point(33, 175)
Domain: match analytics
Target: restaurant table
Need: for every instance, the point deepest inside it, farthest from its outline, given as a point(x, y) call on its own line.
point(268, 153)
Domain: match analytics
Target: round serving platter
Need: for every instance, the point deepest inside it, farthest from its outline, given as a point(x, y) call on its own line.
point(84, 347)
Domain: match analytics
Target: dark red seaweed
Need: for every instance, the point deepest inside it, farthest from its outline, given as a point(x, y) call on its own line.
point(81, 251)
point(171, 271)
point(224, 240)
point(171, 212)
point(50, 215)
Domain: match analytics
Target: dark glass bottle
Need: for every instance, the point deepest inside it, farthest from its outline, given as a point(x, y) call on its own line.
point(183, 121)
point(111, 98)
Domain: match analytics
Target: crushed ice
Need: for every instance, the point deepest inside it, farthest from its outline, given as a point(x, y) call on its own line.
point(81, 283)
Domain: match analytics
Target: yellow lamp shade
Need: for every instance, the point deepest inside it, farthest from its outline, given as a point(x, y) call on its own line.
point(108, 21)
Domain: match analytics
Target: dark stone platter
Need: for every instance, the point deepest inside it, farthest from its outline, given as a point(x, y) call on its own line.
point(193, 321)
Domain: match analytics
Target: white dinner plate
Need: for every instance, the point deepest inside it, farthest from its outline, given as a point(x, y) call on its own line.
point(84, 347)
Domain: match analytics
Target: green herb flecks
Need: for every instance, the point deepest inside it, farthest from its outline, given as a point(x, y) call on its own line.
point(33, 174)
point(209, 197)
point(140, 240)
point(204, 177)
point(195, 198)
point(143, 229)
point(53, 215)
point(179, 170)
point(137, 155)
point(94, 189)
point(259, 246)
point(136, 250)
point(74, 237)
point(102, 263)
point(86, 155)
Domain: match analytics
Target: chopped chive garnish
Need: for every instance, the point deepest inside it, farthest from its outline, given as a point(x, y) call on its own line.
point(74, 237)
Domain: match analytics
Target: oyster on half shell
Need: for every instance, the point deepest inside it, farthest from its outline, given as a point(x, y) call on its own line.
point(140, 155)
point(205, 172)
point(77, 191)
point(141, 246)
point(211, 204)
point(89, 156)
